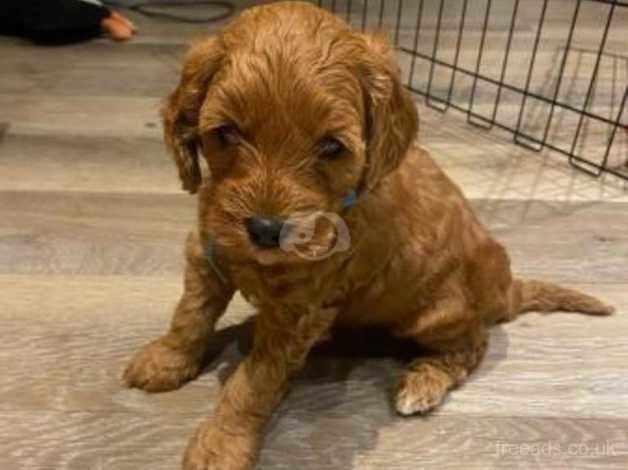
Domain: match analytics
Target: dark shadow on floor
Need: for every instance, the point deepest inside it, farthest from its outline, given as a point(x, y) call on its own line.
point(344, 390)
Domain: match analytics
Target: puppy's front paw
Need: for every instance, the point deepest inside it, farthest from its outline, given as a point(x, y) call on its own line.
point(159, 367)
point(421, 389)
point(214, 449)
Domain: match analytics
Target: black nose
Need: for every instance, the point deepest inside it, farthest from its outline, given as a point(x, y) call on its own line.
point(264, 231)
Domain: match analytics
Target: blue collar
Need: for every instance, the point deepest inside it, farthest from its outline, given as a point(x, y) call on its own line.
point(350, 200)
point(210, 255)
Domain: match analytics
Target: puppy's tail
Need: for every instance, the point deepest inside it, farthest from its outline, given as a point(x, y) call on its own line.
point(538, 296)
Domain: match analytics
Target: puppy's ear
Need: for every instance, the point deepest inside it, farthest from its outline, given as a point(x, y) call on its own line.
point(392, 118)
point(181, 111)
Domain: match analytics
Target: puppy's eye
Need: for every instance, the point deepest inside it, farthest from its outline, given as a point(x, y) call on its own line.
point(330, 148)
point(227, 135)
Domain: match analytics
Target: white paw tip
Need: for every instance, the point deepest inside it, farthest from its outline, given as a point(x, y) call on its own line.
point(407, 405)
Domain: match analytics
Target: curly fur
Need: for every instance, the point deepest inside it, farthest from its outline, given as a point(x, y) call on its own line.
point(420, 263)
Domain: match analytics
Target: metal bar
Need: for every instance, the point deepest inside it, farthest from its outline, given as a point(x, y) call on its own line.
point(502, 76)
point(417, 33)
point(365, 10)
point(537, 40)
point(614, 131)
point(434, 50)
point(463, 17)
point(432, 100)
point(561, 70)
point(477, 65)
point(348, 17)
point(596, 68)
point(618, 3)
point(398, 25)
point(614, 81)
point(380, 21)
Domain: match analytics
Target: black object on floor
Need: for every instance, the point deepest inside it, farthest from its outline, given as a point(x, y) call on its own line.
point(52, 21)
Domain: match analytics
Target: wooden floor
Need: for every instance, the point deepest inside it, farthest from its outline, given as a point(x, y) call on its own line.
point(91, 228)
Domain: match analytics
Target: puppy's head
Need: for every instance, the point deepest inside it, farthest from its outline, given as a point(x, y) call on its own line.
point(291, 111)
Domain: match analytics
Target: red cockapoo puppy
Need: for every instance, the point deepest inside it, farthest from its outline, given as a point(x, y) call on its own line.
point(322, 210)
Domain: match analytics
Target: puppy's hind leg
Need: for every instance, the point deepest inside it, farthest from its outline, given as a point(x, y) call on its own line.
point(178, 356)
point(456, 344)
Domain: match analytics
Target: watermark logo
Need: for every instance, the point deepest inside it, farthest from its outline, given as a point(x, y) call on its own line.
point(548, 448)
point(298, 235)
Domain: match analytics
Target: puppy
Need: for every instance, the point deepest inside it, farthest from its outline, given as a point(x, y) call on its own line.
point(309, 139)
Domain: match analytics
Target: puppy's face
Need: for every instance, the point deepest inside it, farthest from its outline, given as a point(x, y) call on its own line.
point(279, 140)
point(288, 124)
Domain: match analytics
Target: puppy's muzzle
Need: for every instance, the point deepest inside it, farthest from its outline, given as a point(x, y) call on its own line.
point(265, 232)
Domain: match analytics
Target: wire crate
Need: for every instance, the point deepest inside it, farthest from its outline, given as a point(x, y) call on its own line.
point(552, 73)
